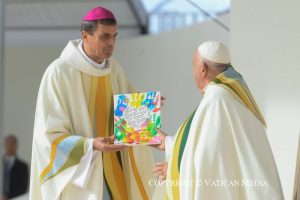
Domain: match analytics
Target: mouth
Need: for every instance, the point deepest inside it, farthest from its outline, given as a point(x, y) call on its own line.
point(108, 51)
point(108, 48)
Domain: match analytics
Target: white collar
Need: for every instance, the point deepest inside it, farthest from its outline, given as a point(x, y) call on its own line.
point(92, 62)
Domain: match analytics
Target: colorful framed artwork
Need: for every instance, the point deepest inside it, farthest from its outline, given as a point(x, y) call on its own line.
point(136, 117)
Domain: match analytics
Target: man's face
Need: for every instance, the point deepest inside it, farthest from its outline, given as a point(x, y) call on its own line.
point(10, 147)
point(198, 71)
point(101, 43)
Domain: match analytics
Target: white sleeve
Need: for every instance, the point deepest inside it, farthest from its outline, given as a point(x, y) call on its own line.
point(169, 140)
point(85, 167)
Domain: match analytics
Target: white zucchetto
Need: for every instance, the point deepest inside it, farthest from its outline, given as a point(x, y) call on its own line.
point(215, 52)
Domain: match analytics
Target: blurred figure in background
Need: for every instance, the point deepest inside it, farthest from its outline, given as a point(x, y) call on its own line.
point(15, 171)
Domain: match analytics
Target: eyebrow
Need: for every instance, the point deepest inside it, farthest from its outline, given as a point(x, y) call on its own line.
point(110, 34)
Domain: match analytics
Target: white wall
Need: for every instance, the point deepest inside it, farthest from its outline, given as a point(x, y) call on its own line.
point(162, 62)
point(265, 39)
point(23, 71)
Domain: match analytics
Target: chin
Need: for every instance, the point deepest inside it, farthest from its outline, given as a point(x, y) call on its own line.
point(108, 55)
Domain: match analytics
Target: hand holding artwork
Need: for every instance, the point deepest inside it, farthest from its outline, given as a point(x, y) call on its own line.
point(162, 101)
point(106, 144)
point(160, 170)
point(162, 135)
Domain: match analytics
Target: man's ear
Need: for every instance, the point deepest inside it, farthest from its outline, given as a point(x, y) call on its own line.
point(84, 36)
point(204, 69)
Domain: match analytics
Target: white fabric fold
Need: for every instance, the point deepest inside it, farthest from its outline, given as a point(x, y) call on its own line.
point(85, 167)
point(169, 142)
point(227, 154)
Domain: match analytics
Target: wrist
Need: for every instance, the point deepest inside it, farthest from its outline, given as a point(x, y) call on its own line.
point(94, 144)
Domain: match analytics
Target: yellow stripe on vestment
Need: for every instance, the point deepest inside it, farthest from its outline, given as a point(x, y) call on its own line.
point(174, 163)
point(137, 175)
point(236, 87)
point(92, 100)
point(113, 172)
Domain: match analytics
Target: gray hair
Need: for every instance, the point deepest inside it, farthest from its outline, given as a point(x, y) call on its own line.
point(218, 67)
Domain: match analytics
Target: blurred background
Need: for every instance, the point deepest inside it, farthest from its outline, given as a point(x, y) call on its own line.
point(155, 45)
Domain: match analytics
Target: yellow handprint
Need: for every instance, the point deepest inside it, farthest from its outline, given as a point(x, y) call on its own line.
point(137, 99)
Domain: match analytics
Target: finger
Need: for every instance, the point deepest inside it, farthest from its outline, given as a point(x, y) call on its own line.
point(159, 163)
point(162, 100)
point(158, 168)
point(106, 139)
point(162, 166)
point(113, 150)
point(109, 139)
point(162, 173)
point(112, 137)
point(157, 171)
point(155, 145)
point(113, 147)
point(160, 131)
point(116, 146)
point(162, 177)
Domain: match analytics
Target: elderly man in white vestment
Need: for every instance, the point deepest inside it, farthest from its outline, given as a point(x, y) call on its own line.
point(72, 154)
point(221, 151)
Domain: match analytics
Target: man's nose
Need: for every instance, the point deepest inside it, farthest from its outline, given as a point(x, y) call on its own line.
point(111, 41)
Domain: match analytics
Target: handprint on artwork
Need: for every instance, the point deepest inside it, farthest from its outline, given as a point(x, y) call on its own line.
point(151, 100)
point(151, 128)
point(122, 105)
point(120, 129)
point(133, 137)
point(156, 120)
point(137, 99)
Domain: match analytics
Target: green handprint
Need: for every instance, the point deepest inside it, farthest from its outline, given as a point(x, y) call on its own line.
point(151, 128)
point(156, 120)
point(119, 130)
